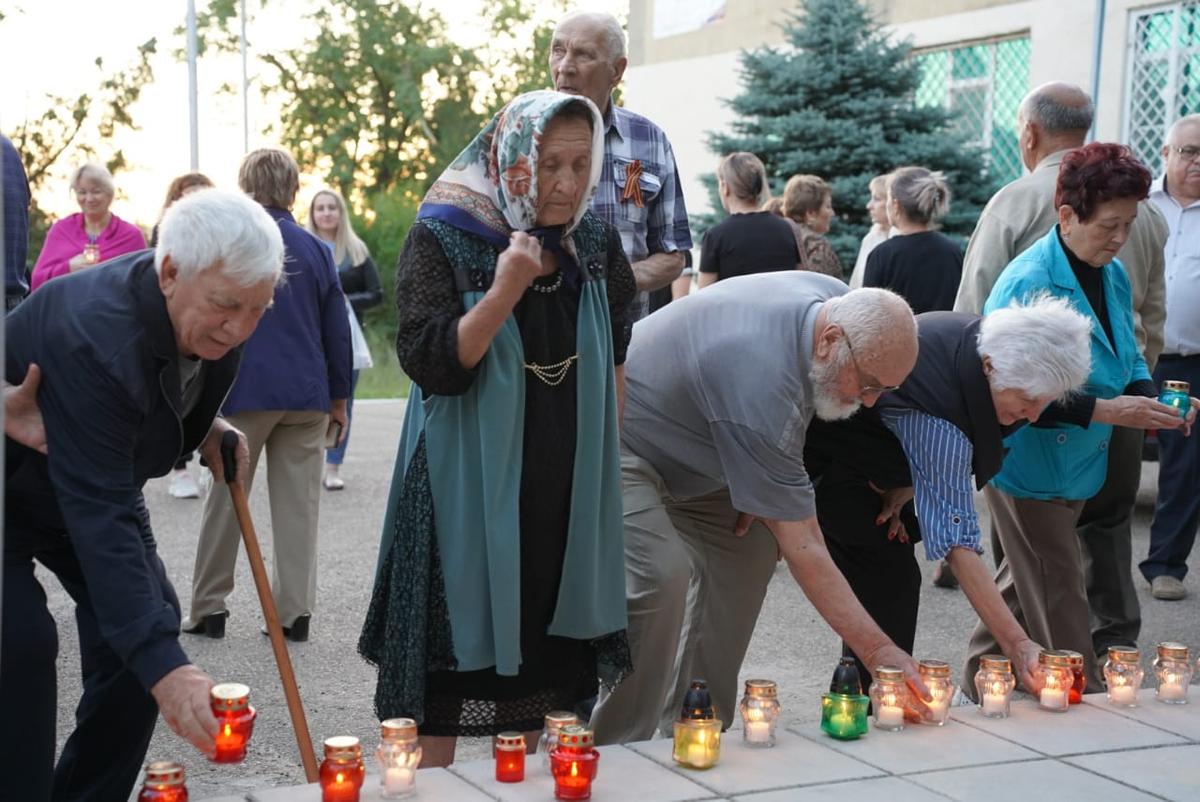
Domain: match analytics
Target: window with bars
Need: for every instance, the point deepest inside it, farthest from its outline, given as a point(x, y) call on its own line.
point(1164, 76)
point(981, 85)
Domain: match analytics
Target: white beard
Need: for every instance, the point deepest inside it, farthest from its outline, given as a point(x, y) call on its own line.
point(824, 375)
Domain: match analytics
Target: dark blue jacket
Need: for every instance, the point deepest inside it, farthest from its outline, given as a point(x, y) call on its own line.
point(299, 357)
point(16, 220)
point(109, 398)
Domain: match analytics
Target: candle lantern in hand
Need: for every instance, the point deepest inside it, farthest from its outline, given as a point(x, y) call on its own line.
point(1177, 394)
point(760, 712)
point(342, 770)
point(889, 696)
point(1123, 674)
point(573, 763)
point(936, 676)
point(163, 783)
point(399, 755)
point(235, 720)
point(1173, 669)
point(1054, 675)
point(994, 683)
point(698, 730)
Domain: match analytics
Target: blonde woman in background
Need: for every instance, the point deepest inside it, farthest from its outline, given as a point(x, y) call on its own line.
point(808, 202)
point(329, 220)
point(881, 228)
point(749, 240)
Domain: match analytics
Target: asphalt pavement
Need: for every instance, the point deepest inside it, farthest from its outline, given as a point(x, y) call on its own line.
point(791, 644)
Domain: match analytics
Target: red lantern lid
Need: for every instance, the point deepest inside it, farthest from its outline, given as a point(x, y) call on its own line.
point(230, 696)
point(575, 735)
point(510, 741)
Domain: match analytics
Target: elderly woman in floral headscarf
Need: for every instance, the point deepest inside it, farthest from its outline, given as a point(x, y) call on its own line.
point(500, 594)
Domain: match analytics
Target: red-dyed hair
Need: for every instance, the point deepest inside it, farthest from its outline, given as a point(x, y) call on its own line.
point(1097, 173)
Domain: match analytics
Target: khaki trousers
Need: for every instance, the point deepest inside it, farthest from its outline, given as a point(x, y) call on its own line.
point(694, 591)
point(1041, 579)
point(294, 442)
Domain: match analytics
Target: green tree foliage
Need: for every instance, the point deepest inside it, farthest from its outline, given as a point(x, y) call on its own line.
point(838, 103)
point(69, 127)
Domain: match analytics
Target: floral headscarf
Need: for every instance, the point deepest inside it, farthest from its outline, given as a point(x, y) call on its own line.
point(490, 189)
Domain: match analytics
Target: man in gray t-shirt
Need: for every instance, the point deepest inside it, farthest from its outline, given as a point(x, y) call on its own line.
point(720, 389)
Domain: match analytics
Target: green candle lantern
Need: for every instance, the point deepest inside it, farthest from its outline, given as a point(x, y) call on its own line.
point(1177, 394)
point(844, 708)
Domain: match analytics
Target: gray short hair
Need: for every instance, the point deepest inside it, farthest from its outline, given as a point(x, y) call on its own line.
point(610, 28)
point(97, 172)
point(1182, 122)
point(1041, 346)
point(873, 319)
point(1044, 108)
point(221, 229)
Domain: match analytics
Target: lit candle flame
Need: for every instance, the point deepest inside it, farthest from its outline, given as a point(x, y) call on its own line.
point(228, 731)
point(574, 769)
point(341, 777)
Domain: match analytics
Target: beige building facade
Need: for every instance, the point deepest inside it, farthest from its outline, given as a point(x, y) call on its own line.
point(978, 57)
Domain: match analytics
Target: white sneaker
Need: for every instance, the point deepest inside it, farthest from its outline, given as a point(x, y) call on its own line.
point(183, 485)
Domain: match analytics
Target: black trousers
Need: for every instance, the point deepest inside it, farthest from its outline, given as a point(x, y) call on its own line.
point(116, 715)
point(1177, 512)
point(883, 573)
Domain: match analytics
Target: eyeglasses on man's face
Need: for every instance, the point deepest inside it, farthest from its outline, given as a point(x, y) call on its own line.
point(865, 387)
point(1189, 153)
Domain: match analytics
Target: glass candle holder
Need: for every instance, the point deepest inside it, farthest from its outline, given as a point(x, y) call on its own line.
point(399, 755)
point(1055, 678)
point(235, 720)
point(698, 730)
point(889, 697)
point(91, 253)
point(936, 676)
point(994, 684)
point(552, 724)
point(1173, 669)
point(1078, 678)
point(760, 712)
point(844, 716)
point(342, 771)
point(573, 763)
point(1123, 675)
point(163, 783)
point(510, 757)
point(1177, 394)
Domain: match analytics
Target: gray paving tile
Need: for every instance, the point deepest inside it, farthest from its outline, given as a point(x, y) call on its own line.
point(1171, 771)
point(794, 760)
point(891, 789)
point(1180, 719)
point(925, 748)
point(1041, 779)
point(432, 784)
point(235, 798)
point(1084, 728)
point(622, 775)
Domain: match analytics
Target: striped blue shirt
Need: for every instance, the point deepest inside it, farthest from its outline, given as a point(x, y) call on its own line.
point(939, 457)
point(660, 225)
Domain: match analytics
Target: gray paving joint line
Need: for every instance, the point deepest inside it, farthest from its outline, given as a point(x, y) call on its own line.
point(451, 769)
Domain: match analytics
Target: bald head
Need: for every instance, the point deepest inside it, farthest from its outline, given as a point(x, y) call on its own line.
point(1183, 131)
point(1054, 116)
point(1181, 160)
point(604, 26)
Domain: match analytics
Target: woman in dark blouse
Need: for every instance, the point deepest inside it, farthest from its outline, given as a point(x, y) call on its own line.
point(500, 594)
point(918, 262)
point(750, 240)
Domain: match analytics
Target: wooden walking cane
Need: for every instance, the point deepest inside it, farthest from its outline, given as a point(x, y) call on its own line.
point(229, 442)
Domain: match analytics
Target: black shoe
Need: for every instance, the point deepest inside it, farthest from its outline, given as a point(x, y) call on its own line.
point(212, 625)
point(297, 632)
point(943, 576)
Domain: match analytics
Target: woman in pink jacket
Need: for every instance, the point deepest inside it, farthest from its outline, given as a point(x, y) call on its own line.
point(92, 236)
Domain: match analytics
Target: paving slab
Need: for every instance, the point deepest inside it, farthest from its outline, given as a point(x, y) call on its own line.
point(431, 784)
point(892, 789)
point(793, 761)
point(621, 776)
point(1083, 728)
point(922, 747)
point(1040, 779)
point(236, 798)
point(1182, 720)
point(1172, 772)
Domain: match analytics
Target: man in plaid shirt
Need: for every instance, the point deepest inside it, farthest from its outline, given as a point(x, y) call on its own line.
point(639, 190)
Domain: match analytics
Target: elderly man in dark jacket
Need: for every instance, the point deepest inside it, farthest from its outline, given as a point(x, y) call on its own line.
point(134, 360)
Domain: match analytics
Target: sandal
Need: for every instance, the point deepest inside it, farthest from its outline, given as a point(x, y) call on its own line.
point(333, 483)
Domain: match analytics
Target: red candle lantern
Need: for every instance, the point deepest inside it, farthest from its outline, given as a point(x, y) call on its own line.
point(1078, 679)
point(164, 783)
point(510, 757)
point(573, 763)
point(342, 771)
point(235, 720)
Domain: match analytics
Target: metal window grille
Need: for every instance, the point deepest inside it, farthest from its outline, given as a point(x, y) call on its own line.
point(981, 85)
point(1164, 76)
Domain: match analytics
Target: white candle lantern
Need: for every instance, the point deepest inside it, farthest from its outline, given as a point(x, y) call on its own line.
point(889, 697)
point(1173, 668)
point(1123, 675)
point(994, 683)
point(760, 711)
point(1055, 678)
point(399, 754)
point(936, 676)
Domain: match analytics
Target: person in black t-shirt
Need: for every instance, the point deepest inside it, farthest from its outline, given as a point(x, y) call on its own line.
point(920, 263)
point(749, 240)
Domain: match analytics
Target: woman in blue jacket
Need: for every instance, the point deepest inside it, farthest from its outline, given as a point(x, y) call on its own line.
point(1056, 464)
